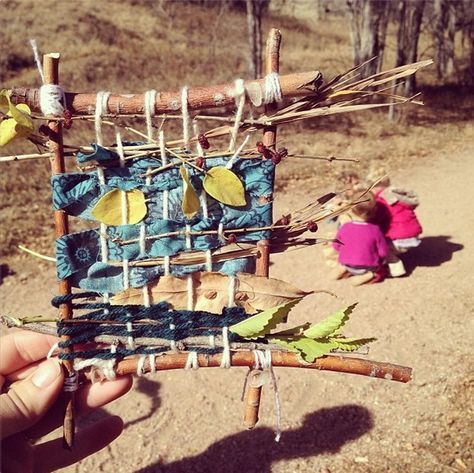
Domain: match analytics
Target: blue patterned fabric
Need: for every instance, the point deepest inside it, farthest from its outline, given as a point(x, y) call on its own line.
point(79, 254)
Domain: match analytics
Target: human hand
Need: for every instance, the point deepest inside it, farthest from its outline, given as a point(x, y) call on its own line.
point(29, 407)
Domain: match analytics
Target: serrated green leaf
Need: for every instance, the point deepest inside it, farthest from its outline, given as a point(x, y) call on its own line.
point(351, 344)
point(261, 324)
point(224, 186)
point(190, 204)
point(330, 325)
point(294, 331)
point(308, 348)
point(108, 208)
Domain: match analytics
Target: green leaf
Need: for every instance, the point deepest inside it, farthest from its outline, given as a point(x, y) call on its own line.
point(225, 186)
point(351, 344)
point(294, 331)
point(330, 325)
point(308, 348)
point(261, 324)
point(108, 209)
point(190, 204)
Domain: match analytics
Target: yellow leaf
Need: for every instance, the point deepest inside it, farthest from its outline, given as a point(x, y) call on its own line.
point(190, 204)
point(21, 114)
point(108, 209)
point(20, 123)
point(4, 100)
point(225, 186)
point(7, 131)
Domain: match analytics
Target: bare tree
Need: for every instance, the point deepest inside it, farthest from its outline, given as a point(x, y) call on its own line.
point(409, 15)
point(444, 30)
point(369, 19)
point(255, 11)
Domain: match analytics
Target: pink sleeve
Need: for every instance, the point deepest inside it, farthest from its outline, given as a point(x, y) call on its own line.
point(382, 246)
point(336, 244)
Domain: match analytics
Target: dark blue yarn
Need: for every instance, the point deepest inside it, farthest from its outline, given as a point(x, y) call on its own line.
point(187, 324)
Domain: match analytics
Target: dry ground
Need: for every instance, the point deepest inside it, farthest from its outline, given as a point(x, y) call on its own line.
point(191, 422)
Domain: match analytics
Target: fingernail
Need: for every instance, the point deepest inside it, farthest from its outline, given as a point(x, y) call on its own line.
point(46, 374)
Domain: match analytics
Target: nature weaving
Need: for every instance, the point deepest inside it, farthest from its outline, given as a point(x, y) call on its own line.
point(169, 265)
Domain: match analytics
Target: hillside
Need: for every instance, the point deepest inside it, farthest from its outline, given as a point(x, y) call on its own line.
point(128, 46)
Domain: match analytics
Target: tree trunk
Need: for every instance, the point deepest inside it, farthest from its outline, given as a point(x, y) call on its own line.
point(255, 10)
point(369, 20)
point(444, 33)
point(410, 14)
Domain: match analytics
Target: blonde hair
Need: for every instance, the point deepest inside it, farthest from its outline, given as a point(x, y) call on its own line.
point(379, 174)
point(365, 209)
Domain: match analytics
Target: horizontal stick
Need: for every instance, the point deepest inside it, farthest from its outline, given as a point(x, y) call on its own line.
point(292, 85)
point(340, 364)
point(181, 345)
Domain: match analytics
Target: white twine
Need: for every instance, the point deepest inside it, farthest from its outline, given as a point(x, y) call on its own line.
point(240, 102)
point(231, 292)
point(105, 366)
point(272, 88)
point(146, 296)
point(203, 195)
point(130, 340)
point(263, 360)
point(220, 233)
point(208, 255)
point(185, 116)
point(141, 365)
point(152, 361)
point(164, 162)
point(100, 109)
point(52, 100)
point(235, 156)
point(52, 350)
point(192, 361)
point(34, 47)
point(52, 96)
point(190, 276)
point(150, 99)
point(123, 206)
point(172, 342)
point(226, 361)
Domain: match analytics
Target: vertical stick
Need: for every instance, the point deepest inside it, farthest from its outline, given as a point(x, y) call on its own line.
point(272, 64)
point(51, 74)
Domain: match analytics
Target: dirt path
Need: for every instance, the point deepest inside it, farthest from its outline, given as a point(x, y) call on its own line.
point(192, 422)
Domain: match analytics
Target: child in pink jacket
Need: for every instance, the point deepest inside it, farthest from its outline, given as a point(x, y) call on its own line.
point(395, 214)
point(362, 247)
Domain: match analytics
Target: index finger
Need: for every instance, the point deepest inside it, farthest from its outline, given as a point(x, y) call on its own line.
point(21, 348)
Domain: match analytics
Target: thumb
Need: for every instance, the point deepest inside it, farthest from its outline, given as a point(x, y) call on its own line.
point(29, 399)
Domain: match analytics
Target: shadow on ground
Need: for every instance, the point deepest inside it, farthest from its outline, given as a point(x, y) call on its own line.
point(324, 431)
point(144, 385)
point(433, 251)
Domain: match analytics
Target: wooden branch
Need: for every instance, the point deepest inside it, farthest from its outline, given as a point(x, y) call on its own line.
point(181, 345)
point(340, 364)
point(51, 74)
point(262, 263)
point(198, 97)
